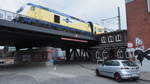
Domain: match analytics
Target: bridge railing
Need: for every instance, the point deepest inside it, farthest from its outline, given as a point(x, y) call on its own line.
point(6, 15)
point(10, 16)
point(14, 17)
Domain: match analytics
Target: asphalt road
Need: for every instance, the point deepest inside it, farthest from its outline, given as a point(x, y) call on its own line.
point(60, 74)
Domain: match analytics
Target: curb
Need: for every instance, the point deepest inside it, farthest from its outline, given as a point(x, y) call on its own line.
point(94, 70)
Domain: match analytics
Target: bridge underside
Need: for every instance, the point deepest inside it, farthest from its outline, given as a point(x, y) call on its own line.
point(84, 54)
point(22, 35)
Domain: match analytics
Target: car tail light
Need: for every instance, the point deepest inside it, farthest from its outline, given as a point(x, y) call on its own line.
point(124, 67)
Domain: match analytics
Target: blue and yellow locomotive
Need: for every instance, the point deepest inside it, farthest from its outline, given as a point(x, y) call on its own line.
point(37, 14)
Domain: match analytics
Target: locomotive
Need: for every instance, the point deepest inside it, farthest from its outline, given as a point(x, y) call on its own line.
point(39, 15)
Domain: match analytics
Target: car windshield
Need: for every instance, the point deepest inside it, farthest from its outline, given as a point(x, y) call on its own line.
point(129, 63)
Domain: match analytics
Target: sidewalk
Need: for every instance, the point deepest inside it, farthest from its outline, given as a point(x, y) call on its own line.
point(145, 70)
point(145, 76)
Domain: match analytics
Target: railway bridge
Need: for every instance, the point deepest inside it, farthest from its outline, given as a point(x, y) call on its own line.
point(78, 46)
point(28, 35)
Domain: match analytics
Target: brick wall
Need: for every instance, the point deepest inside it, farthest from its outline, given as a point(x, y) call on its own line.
point(138, 22)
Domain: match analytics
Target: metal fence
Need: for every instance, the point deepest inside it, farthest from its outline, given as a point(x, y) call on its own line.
point(14, 17)
point(6, 15)
point(10, 16)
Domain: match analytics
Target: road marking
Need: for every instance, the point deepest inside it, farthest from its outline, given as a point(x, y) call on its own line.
point(62, 75)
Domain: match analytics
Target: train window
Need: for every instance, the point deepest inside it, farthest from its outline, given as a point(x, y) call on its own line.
point(56, 19)
point(33, 8)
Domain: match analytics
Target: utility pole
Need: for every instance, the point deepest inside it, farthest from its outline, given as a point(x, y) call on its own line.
point(119, 20)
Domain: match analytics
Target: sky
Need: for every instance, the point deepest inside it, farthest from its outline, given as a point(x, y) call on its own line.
point(88, 10)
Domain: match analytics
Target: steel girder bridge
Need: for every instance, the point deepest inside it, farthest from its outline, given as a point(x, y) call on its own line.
point(27, 35)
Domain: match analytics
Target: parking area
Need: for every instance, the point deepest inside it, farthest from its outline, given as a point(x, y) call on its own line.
point(41, 73)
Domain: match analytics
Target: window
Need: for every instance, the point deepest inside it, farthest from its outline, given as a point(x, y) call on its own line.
point(129, 63)
point(105, 55)
point(112, 63)
point(115, 63)
point(110, 39)
point(56, 19)
point(148, 5)
point(103, 39)
point(127, 54)
point(120, 53)
point(108, 63)
point(118, 38)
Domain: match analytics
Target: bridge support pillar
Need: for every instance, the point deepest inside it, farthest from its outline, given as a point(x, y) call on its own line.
point(75, 54)
point(68, 54)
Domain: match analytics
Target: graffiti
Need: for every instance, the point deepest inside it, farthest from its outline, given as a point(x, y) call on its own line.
point(142, 54)
point(139, 51)
point(139, 43)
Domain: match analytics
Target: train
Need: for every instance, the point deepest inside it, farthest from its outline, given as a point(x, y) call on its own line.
point(40, 15)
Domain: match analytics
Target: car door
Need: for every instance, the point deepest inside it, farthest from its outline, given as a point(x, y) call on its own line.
point(109, 69)
point(101, 69)
point(114, 68)
point(105, 70)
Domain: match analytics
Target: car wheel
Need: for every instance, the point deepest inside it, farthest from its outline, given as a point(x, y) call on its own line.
point(117, 77)
point(97, 73)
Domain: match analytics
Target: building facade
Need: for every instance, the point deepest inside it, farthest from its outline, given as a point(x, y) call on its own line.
point(112, 45)
point(138, 23)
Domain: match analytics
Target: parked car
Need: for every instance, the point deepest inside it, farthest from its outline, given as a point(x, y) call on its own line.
point(119, 69)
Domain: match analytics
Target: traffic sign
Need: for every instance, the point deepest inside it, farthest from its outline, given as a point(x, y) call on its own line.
point(130, 45)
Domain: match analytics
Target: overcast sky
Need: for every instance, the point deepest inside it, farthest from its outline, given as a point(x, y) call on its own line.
point(89, 10)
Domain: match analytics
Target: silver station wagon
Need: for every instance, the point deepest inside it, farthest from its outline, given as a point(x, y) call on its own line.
point(119, 69)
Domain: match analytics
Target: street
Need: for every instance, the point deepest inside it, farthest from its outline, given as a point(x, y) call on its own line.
point(39, 73)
